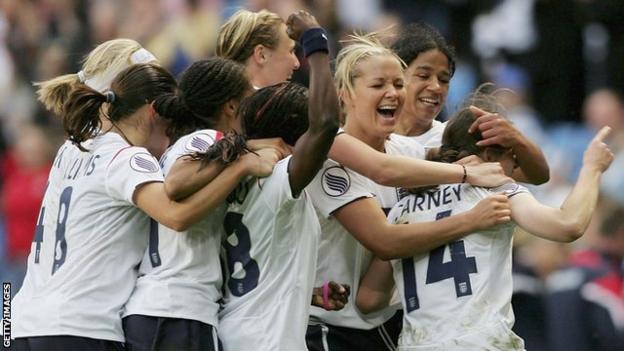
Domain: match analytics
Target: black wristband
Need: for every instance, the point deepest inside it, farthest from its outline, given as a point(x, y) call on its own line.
point(313, 40)
point(465, 174)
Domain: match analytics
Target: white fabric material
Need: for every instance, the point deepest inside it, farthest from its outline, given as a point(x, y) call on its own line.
point(180, 275)
point(459, 294)
point(341, 257)
point(142, 56)
point(431, 138)
point(78, 286)
point(268, 310)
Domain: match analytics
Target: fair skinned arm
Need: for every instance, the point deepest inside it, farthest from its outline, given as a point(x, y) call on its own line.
point(376, 286)
point(408, 172)
point(569, 222)
point(497, 130)
point(365, 220)
point(179, 216)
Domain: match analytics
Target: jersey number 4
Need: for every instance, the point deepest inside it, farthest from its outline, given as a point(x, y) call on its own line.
point(459, 268)
point(247, 278)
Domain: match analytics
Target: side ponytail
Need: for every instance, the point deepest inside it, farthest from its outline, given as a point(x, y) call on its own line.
point(81, 118)
point(55, 92)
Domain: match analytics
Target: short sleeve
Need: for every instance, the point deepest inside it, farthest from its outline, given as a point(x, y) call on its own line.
point(336, 186)
point(276, 188)
point(130, 168)
point(510, 189)
point(199, 141)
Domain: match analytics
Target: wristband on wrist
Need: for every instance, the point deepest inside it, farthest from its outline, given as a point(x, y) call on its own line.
point(326, 296)
point(313, 40)
point(465, 174)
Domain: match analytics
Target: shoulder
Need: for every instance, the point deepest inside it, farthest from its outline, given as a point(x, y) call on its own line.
point(198, 141)
point(510, 189)
point(403, 145)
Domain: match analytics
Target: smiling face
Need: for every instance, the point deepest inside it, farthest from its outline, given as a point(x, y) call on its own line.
point(280, 61)
point(427, 82)
point(377, 97)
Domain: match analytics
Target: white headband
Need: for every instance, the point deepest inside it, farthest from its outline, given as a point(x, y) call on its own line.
point(101, 82)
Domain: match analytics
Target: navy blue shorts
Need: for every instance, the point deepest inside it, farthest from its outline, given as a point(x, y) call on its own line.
point(325, 337)
point(64, 343)
point(147, 333)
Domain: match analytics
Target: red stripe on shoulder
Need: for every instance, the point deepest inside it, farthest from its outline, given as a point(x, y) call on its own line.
point(218, 136)
point(612, 283)
point(589, 259)
point(117, 154)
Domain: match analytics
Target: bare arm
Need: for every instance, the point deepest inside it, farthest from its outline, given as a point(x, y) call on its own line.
point(376, 286)
point(408, 172)
point(569, 222)
point(365, 220)
point(497, 130)
point(179, 216)
point(187, 176)
point(323, 111)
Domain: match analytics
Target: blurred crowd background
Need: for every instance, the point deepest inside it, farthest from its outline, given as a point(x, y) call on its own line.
point(563, 58)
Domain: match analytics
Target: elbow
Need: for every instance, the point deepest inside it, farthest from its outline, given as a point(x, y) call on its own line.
point(385, 251)
point(542, 178)
point(330, 123)
point(572, 231)
point(176, 220)
point(366, 305)
point(173, 189)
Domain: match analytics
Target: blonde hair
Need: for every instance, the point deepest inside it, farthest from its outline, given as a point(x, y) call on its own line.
point(244, 31)
point(111, 56)
point(360, 48)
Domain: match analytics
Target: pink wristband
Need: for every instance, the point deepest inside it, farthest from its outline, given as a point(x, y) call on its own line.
point(326, 296)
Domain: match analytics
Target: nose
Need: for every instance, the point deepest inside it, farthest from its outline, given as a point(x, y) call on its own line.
point(435, 84)
point(392, 92)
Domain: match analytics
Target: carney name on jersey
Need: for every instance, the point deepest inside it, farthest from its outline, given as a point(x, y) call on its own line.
point(89, 239)
point(341, 257)
point(180, 275)
point(457, 296)
point(270, 252)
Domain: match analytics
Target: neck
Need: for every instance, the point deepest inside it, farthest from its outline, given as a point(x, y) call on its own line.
point(131, 132)
point(255, 75)
point(375, 141)
point(410, 125)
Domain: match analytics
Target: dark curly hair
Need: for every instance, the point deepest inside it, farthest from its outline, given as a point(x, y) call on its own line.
point(279, 110)
point(419, 37)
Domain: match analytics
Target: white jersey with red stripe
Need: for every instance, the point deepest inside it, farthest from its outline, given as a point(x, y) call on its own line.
point(89, 239)
point(270, 252)
point(180, 275)
point(458, 296)
point(431, 138)
point(341, 257)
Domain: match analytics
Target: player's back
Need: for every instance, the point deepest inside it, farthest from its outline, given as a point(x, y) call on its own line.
point(457, 296)
point(88, 241)
point(180, 274)
point(270, 253)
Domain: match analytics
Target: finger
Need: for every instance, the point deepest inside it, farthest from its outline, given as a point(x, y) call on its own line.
point(477, 111)
point(483, 119)
point(490, 141)
point(602, 134)
point(502, 220)
point(335, 287)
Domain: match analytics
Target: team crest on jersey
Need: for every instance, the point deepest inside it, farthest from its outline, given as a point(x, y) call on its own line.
point(200, 142)
point(144, 163)
point(336, 181)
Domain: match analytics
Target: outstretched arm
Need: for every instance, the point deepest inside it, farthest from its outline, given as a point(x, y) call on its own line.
point(365, 220)
point(408, 172)
point(569, 222)
point(323, 110)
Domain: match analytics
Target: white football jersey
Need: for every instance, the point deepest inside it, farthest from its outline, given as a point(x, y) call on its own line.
point(341, 257)
point(89, 239)
point(180, 275)
point(270, 254)
point(458, 296)
point(431, 138)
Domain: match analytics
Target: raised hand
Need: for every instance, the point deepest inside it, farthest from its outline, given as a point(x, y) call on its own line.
point(491, 211)
point(495, 129)
point(598, 155)
point(299, 22)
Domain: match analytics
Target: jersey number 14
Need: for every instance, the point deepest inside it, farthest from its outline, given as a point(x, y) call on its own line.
point(459, 268)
